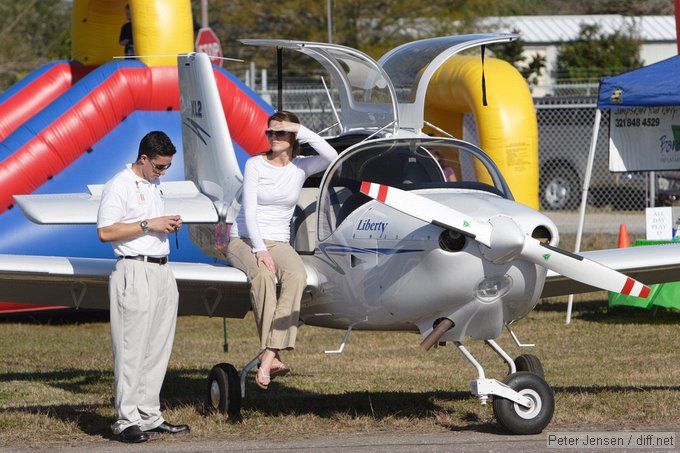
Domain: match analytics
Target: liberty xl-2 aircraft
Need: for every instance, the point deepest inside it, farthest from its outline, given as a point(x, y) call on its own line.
point(447, 259)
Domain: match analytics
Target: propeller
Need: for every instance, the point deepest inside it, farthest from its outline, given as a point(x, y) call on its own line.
point(502, 240)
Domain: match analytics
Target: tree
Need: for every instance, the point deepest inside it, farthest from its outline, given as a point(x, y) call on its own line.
point(32, 33)
point(513, 53)
point(595, 55)
point(372, 26)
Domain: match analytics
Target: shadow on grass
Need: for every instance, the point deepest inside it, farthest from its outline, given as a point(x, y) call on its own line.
point(596, 390)
point(57, 317)
point(86, 416)
point(599, 311)
point(72, 381)
point(188, 387)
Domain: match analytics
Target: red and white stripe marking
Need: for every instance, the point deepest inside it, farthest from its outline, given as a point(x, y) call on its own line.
point(374, 190)
point(635, 288)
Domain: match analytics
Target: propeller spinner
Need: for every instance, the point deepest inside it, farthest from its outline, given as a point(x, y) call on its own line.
point(503, 240)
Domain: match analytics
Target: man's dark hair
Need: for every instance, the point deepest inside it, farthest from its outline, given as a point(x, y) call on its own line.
point(156, 143)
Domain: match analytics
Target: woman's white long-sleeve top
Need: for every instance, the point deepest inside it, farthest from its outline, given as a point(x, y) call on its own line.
point(270, 192)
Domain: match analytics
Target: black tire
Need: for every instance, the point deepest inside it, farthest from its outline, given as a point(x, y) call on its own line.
point(560, 187)
point(521, 420)
point(530, 363)
point(224, 391)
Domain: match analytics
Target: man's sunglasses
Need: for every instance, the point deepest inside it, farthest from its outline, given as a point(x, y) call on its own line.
point(160, 167)
point(275, 134)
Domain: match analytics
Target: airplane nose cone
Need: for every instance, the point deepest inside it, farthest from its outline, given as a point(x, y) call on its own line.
point(506, 239)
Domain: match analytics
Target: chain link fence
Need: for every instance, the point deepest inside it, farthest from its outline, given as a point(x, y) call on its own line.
point(565, 128)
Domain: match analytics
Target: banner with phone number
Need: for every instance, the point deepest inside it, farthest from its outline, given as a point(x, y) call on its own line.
point(644, 139)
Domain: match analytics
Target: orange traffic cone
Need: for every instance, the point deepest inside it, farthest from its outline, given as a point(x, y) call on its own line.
point(623, 236)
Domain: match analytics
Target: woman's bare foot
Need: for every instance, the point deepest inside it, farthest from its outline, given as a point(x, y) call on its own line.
point(263, 378)
point(278, 368)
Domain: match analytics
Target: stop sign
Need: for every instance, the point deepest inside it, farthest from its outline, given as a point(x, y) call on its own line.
point(208, 42)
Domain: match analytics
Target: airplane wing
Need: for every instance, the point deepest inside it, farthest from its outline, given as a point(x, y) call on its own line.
point(205, 289)
point(650, 264)
point(181, 197)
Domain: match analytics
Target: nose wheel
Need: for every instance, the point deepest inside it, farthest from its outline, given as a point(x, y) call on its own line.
point(523, 403)
point(520, 419)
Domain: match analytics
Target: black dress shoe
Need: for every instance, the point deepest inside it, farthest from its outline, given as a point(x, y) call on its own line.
point(133, 434)
point(166, 427)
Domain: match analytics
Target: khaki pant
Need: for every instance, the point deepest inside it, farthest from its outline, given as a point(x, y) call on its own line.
point(144, 302)
point(277, 320)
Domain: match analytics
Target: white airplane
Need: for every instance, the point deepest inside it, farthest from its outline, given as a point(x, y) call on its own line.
point(388, 242)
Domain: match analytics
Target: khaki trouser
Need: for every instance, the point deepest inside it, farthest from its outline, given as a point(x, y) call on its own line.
point(277, 320)
point(144, 302)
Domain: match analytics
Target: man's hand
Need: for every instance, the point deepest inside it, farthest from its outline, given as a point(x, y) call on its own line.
point(165, 224)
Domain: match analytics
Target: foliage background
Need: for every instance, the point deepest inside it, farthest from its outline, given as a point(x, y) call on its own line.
point(35, 32)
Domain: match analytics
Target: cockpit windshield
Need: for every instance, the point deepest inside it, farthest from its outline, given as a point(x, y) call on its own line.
point(409, 164)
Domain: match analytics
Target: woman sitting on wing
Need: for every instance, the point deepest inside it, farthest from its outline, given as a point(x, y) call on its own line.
point(260, 236)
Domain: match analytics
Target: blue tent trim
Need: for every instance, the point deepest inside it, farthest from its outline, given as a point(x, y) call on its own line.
point(656, 85)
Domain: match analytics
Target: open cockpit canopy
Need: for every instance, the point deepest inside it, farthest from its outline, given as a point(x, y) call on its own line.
point(367, 99)
point(389, 94)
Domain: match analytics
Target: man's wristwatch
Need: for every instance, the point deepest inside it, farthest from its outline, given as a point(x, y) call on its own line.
point(145, 225)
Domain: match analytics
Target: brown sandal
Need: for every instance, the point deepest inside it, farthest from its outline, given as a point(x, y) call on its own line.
point(279, 371)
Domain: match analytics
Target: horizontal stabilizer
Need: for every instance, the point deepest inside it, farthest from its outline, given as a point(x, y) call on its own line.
point(181, 197)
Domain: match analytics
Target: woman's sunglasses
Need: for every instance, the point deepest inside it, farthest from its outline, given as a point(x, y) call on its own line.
point(276, 134)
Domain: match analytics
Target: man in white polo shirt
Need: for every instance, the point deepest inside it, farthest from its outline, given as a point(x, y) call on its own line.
point(142, 289)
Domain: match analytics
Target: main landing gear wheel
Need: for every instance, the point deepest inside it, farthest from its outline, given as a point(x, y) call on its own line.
point(224, 391)
point(525, 420)
point(530, 363)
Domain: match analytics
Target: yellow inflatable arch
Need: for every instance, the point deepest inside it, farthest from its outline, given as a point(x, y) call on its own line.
point(161, 30)
point(507, 126)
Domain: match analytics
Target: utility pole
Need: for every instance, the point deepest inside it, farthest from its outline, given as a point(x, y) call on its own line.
point(204, 13)
point(330, 19)
point(677, 24)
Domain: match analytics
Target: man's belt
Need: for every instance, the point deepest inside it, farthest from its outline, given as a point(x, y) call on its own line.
point(148, 259)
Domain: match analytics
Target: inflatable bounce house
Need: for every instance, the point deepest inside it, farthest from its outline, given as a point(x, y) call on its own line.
point(72, 123)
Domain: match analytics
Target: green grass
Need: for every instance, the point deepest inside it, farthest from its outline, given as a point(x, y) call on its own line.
point(609, 368)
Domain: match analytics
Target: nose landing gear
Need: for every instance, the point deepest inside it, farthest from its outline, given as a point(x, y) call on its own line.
point(523, 403)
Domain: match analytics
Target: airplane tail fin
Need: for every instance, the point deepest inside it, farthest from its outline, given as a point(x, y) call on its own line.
point(209, 156)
